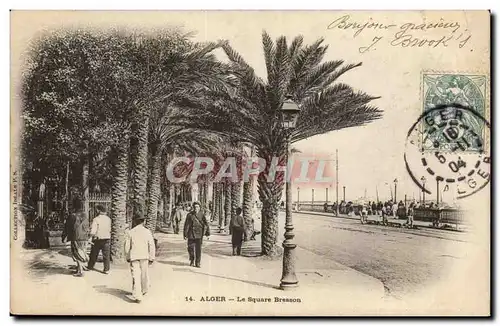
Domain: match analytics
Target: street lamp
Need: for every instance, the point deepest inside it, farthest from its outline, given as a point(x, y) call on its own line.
point(423, 191)
point(298, 199)
point(290, 112)
point(395, 190)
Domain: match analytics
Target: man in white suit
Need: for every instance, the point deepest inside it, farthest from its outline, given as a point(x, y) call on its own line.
point(140, 253)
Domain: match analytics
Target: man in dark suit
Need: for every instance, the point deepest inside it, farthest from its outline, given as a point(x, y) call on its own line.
point(195, 227)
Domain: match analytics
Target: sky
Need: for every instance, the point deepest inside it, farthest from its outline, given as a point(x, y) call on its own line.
point(370, 157)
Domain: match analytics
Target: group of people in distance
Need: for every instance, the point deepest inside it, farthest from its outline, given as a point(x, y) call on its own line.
point(389, 208)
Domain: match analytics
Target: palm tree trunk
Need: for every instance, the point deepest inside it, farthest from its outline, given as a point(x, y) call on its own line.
point(153, 189)
point(200, 193)
point(119, 201)
point(247, 207)
point(227, 205)
point(219, 206)
point(66, 190)
point(248, 202)
point(204, 186)
point(270, 196)
point(85, 187)
point(140, 163)
point(235, 198)
point(215, 215)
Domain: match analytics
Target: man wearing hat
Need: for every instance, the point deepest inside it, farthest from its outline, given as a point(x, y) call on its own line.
point(140, 252)
point(195, 227)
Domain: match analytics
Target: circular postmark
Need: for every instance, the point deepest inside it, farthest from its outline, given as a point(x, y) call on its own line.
point(446, 151)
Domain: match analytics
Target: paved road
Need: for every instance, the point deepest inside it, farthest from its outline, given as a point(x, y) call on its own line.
point(404, 260)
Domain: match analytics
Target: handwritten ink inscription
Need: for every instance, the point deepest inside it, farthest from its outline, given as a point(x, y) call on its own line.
point(434, 34)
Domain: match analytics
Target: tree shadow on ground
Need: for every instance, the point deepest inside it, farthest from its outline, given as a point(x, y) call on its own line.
point(46, 268)
point(42, 265)
point(250, 249)
point(261, 284)
point(119, 293)
point(174, 263)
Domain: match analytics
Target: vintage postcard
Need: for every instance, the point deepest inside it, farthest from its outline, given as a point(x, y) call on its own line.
point(250, 163)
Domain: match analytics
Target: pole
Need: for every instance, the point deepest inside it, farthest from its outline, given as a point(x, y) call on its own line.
point(395, 192)
point(298, 198)
point(312, 201)
point(423, 194)
point(437, 193)
point(289, 279)
point(337, 180)
point(344, 193)
point(405, 200)
point(66, 190)
point(327, 195)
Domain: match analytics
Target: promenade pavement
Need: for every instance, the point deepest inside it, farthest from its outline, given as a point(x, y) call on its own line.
point(224, 285)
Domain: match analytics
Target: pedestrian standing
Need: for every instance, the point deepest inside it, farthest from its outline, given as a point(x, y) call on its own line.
point(410, 214)
point(195, 227)
point(76, 230)
point(101, 238)
point(140, 252)
point(177, 218)
point(384, 215)
point(237, 228)
point(363, 213)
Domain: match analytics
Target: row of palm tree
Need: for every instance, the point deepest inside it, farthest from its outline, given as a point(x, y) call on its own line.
point(162, 95)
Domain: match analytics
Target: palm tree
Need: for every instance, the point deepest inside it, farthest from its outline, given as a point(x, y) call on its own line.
point(248, 201)
point(173, 68)
point(164, 136)
point(252, 112)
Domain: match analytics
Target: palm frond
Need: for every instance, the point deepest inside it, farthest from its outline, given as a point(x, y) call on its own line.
point(269, 53)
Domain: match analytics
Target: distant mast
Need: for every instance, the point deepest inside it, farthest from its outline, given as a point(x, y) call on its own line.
point(337, 179)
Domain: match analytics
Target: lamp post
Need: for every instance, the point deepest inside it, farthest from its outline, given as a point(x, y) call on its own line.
point(395, 190)
point(298, 197)
point(423, 191)
point(437, 192)
point(290, 113)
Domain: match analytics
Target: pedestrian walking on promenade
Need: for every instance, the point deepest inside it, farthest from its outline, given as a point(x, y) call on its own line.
point(101, 237)
point(76, 230)
point(384, 215)
point(195, 227)
point(140, 252)
point(177, 218)
point(364, 213)
point(410, 214)
point(237, 228)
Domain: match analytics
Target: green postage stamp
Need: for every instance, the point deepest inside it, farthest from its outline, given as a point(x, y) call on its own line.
point(468, 90)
